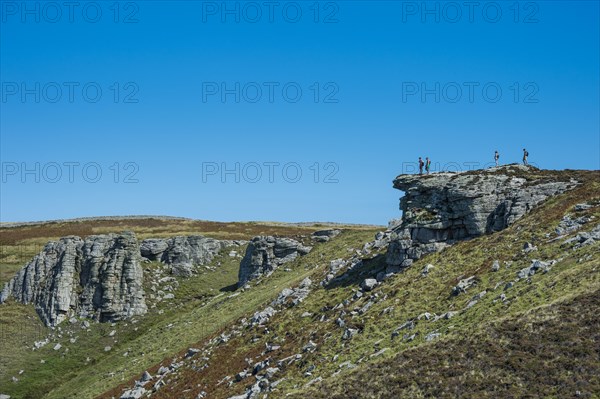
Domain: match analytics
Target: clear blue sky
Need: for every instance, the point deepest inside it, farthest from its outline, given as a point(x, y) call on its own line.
point(370, 60)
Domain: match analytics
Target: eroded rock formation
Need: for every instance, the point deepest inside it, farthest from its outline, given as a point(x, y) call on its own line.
point(99, 277)
point(184, 254)
point(265, 254)
point(443, 208)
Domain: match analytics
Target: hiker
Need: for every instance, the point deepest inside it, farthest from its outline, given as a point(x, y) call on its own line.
point(497, 158)
point(427, 164)
point(421, 163)
point(525, 156)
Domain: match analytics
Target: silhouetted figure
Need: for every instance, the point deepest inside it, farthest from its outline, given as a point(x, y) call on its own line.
point(427, 164)
point(525, 156)
point(497, 158)
point(421, 164)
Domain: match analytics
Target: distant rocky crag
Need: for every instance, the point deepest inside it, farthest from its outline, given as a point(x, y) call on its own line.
point(184, 254)
point(265, 254)
point(99, 277)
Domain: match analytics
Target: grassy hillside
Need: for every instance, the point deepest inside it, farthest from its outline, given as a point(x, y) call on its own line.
point(19, 244)
point(203, 305)
point(535, 337)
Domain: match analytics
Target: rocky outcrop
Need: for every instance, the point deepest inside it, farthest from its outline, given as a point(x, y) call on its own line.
point(184, 254)
point(99, 277)
point(443, 208)
point(265, 254)
point(325, 235)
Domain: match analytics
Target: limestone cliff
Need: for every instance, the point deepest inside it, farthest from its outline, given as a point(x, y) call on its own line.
point(99, 277)
point(443, 208)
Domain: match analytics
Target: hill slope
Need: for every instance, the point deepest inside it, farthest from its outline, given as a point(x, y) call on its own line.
point(487, 316)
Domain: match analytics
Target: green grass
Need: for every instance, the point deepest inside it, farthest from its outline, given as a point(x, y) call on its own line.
point(201, 309)
point(410, 294)
point(530, 343)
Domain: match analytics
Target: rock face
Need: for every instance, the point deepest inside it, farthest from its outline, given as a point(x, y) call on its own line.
point(443, 208)
point(99, 277)
point(183, 254)
point(265, 254)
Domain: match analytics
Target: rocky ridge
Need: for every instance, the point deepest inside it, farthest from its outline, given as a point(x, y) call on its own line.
point(443, 208)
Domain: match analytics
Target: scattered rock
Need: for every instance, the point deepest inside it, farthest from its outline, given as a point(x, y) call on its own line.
point(146, 377)
point(263, 317)
point(349, 333)
point(584, 239)
point(535, 267)
point(427, 316)
point(432, 336)
point(365, 308)
point(379, 353)
point(192, 352)
point(496, 266)
point(464, 285)
point(135, 393)
point(293, 297)
point(427, 269)
point(270, 372)
point(449, 315)
point(310, 347)
point(409, 325)
point(368, 284)
point(260, 366)
point(241, 376)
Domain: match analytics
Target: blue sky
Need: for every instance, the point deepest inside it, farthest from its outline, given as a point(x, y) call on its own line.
point(145, 93)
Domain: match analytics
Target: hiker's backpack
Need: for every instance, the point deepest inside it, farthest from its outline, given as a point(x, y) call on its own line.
point(526, 153)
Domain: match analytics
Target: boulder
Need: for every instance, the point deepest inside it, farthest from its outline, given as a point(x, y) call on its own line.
point(368, 284)
point(325, 235)
point(349, 333)
point(496, 266)
point(262, 317)
point(265, 254)
point(135, 393)
point(464, 285)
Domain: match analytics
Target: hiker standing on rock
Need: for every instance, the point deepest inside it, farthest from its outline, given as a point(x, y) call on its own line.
point(496, 157)
point(421, 163)
point(427, 164)
point(525, 156)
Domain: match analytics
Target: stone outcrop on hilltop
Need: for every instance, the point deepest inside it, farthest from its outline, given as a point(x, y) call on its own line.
point(443, 208)
point(98, 277)
point(184, 254)
point(265, 254)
